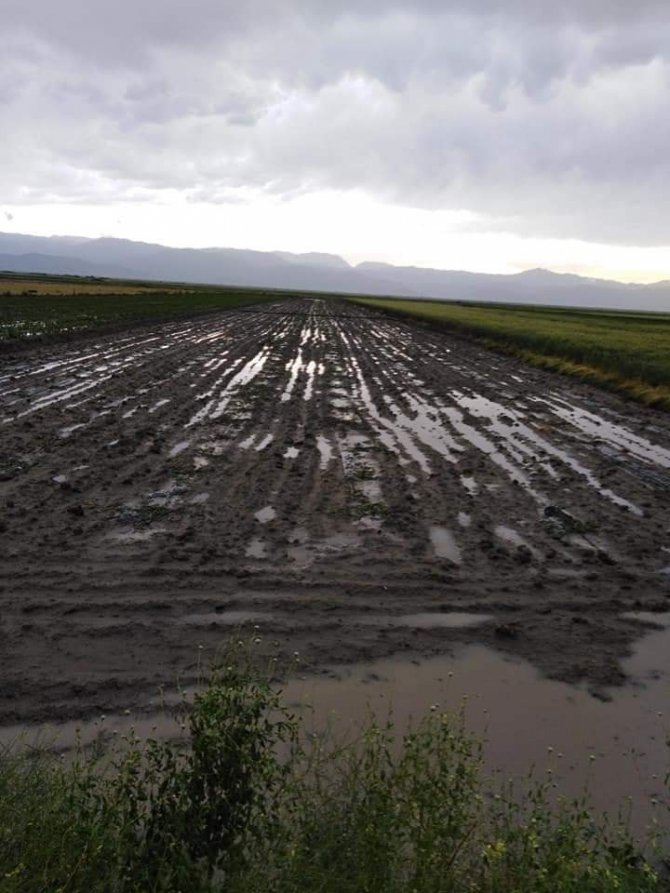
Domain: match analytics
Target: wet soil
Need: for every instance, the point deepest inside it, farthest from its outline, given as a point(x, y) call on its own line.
point(324, 474)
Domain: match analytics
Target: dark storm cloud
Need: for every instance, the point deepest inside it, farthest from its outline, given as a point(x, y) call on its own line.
point(552, 117)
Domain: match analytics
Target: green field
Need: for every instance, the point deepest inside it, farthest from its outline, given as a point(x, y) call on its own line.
point(32, 305)
point(626, 350)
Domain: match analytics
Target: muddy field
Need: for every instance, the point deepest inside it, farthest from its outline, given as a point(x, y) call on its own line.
point(354, 486)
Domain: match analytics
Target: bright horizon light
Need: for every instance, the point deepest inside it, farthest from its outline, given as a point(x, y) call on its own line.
point(349, 224)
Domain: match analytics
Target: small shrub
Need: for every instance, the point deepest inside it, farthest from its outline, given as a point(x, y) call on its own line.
point(250, 803)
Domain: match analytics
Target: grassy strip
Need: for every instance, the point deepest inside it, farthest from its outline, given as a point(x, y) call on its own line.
point(254, 805)
point(24, 316)
point(627, 351)
point(27, 286)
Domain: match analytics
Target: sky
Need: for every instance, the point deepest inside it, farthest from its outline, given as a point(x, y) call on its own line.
point(458, 134)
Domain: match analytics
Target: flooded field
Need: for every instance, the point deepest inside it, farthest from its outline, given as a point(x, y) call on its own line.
point(355, 487)
point(612, 749)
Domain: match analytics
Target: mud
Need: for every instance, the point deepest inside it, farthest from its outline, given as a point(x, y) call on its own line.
point(322, 473)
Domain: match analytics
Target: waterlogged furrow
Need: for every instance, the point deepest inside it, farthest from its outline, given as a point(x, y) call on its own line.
point(426, 422)
point(617, 436)
point(324, 469)
point(89, 378)
point(516, 443)
point(311, 339)
point(515, 431)
point(127, 355)
point(390, 432)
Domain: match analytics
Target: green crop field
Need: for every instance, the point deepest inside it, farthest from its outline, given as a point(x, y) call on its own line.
point(32, 306)
point(627, 350)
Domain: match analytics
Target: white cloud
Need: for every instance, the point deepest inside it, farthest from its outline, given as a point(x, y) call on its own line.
point(551, 119)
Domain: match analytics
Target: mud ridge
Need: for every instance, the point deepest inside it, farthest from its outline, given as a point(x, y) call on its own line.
point(316, 471)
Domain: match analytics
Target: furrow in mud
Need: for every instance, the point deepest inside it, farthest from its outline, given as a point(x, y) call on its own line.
point(320, 469)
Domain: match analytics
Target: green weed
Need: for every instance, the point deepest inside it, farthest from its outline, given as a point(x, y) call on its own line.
point(51, 314)
point(251, 803)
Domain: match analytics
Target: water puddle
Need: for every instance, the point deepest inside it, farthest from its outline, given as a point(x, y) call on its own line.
point(521, 441)
point(464, 519)
point(256, 549)
point(510, 464)
point(325, 450)
point(658, 618)
point(226, 618)
point(298, 535)
point(312, 369)
point(65, 432)
point(615, 749)
point(200, 462)
point(444, 544)
point(264, 442)
point(179, 448)
point(293, 367)
point(621, 438)
point(214, 408)
point(338, 542)
point(651, 658)
point(265, 514)
point(430, 620)
point(398, 433)
point(158, 404)
point(470, 484)
point(136, 536)
point(510, 536)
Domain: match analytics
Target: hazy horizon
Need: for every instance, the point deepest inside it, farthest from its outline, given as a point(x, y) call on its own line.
point(352, 263)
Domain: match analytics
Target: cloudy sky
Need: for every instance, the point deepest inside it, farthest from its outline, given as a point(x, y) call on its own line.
point(474, 135)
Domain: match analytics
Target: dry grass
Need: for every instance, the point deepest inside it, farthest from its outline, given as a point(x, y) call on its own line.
point(15, 286)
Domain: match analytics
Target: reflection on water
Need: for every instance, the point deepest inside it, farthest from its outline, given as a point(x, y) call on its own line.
point(429, 620)
point(325, 450)
point(256, 548)
point(265, 514)
point(513, 538)
point(444, 544)
point(615, 749)
point(225, 618)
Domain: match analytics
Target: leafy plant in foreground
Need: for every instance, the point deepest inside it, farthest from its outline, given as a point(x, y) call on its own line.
point(250, 803)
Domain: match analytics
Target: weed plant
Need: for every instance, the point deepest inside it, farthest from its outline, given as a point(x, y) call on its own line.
point(250, 802)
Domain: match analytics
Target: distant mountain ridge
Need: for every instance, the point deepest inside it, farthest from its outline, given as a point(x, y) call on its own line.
point(315, 271)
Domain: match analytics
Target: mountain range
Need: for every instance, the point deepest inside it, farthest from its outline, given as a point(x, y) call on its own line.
point(125, 259)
